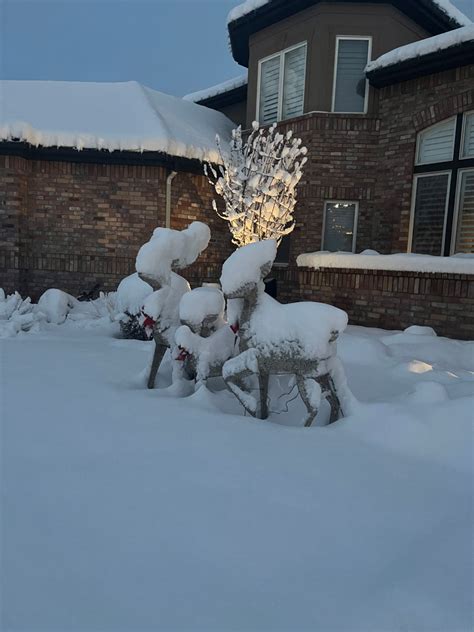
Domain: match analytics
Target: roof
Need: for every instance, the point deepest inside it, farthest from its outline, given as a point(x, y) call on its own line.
point(125, 117)
point(441, 52)
point(436, 16)
point(230, 91)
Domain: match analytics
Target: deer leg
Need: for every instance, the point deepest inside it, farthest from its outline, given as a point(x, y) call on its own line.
point(263, 379)
point(160, 350)
point(307, 392)
point(235, 371)
point(329, 391)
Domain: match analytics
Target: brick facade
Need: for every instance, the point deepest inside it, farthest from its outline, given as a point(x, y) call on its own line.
point(70, 225)
point(390, 300)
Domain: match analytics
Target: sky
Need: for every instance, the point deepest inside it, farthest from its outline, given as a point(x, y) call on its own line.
point(175, 46)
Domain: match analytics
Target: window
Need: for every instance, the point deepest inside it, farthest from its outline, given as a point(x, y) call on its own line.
point(436, 144)
point(281, 81)
point(431, 196)
point(442, 218)
point(350, 88)
point(464, 235)
point(468, 136)
point(339, 226)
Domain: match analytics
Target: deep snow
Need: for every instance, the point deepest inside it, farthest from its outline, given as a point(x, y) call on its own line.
point(125, 509)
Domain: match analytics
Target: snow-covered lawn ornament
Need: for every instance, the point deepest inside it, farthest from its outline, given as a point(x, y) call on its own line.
point(297, 339)
point(204, 340)
point(167, 250)
point(257, 181)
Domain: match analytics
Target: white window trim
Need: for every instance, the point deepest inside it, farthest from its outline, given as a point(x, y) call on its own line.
point(417, 176)
point(367, 38)
point(281, 54)
point(457, 205)
point(356, 220)
point(418, 143)
point(462, 155)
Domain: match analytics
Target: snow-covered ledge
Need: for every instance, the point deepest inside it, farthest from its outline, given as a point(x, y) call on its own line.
point(372, 260)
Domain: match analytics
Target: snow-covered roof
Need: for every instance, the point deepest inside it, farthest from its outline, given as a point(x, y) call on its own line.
point(220, 88)
point(423, 47)
point(251, 5)
point(124, 116)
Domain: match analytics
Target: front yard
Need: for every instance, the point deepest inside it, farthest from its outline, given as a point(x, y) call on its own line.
point(127, 509)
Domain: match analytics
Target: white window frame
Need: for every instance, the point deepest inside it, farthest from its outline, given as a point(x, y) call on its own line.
point(367, 38)
point(457, 205)
point(281, 54)
point(445, 172)
point(418, 143)
point(462, 155)
point(356, 220)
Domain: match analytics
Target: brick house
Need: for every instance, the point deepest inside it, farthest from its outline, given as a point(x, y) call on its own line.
point(382, 94)
point(88, 170)
point(387, 170)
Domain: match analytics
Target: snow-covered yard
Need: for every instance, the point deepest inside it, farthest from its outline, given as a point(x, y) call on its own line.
point(125, 509)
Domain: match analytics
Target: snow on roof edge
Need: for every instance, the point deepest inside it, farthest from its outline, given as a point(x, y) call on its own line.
point(252, 5)
point(423, 47)
point(217, 89)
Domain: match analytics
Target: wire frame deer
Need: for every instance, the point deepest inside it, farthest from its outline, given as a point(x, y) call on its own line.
point(316, 375)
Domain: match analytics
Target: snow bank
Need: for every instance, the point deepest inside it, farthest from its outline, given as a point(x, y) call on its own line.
point(251, 5)
point(131, 294)
point(371, 260)
point(423, 47)
point(111, 116)
point(220, 88)
point(170, 248)
point(244, 265)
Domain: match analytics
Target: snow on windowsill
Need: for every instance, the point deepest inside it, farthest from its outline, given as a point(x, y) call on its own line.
point(372, 260)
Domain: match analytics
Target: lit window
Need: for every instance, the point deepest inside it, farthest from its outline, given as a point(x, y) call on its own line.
point(339, 230)
point(282, 85)
point(350, 83)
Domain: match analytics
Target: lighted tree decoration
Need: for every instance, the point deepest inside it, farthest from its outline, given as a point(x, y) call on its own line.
point(257, 181)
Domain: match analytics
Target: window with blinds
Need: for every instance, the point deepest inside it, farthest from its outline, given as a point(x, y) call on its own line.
point(430, 213)
point(282, 85)
point(436, 144)
point(468, 141)
point(465, 213)
point(339, 226)
point(350, 83)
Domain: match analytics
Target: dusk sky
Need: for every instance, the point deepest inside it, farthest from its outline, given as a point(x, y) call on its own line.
point(176, 46)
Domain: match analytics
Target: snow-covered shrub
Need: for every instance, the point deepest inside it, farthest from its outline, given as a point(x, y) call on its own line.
point(16, 314)
point(257, 182)
point(131, 294)
point(56, 305)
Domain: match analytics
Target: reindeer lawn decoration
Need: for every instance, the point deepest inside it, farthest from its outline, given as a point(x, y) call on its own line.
point(205, 340)
point(167, 250)
point(297, 339)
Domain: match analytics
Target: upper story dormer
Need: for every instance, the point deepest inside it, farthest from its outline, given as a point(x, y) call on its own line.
point(308, 56)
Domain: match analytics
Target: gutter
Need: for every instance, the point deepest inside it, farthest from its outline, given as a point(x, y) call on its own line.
point(169, 180)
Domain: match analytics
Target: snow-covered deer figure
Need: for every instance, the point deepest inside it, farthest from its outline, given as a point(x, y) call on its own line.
point(168, 250)
point(205, 340)
point(297, 338)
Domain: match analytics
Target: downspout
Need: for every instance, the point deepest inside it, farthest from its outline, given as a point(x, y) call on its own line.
point(169, 180)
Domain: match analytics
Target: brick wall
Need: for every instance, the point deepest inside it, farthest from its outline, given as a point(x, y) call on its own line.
point(71, 225)
point(390, 300)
